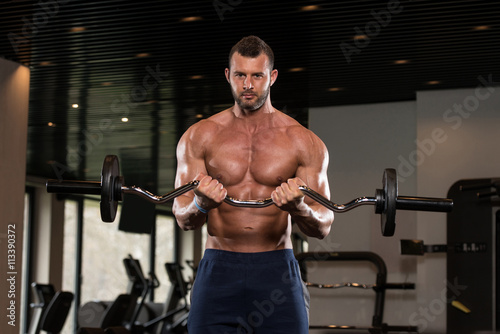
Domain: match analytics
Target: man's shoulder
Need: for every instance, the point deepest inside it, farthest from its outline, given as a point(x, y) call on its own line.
point(301, 135)
point(294, 128)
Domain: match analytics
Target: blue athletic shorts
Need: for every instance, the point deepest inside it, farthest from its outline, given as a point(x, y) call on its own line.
point(249, 293)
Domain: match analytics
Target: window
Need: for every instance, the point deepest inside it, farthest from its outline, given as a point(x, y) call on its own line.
point(165, 245)
point(103, 249)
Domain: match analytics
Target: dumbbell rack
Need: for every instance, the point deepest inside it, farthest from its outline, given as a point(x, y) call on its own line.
point(380, 286)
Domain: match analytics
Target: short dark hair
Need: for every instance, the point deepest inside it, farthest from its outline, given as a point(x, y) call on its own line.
point(252, 46)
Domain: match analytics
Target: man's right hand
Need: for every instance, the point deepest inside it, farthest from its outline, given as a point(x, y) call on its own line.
point(210, 193)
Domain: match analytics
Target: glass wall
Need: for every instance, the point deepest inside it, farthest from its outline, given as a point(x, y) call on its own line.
point(103, 249)
point(165, 245)
point(69, 256)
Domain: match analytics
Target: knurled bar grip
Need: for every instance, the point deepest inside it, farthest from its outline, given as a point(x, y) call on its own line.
point(246, 203)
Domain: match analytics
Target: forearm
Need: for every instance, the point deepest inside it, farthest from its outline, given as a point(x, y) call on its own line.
point(188, 216)
point(314, 221)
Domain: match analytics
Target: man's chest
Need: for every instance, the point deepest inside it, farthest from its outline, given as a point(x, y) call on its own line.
point(265, 157)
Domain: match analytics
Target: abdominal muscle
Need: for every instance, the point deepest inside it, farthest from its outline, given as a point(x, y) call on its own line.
point(248, 229)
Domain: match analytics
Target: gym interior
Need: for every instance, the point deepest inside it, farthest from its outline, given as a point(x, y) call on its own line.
point(411, 86)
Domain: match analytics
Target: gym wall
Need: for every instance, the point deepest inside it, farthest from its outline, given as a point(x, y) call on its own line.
point(14, 93)
point(363, 140)
point(432, 142)
point(470, 150)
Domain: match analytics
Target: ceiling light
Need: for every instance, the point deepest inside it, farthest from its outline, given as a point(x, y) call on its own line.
point(433, 82)
point(199, 116)
point(51, 124)
point(297, 69)
point(191, 19)
point(334, 89)
point(142, 55)
point(124, 119)
point(196, 77)
point(45, 63)
point(357, 37)
point(74, 105)
point(309, 8)
point(402, 61)
point(77, 29)
point(482, 28)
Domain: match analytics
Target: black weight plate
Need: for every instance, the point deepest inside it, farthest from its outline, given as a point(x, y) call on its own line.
point(388, 216)
point(109, 173)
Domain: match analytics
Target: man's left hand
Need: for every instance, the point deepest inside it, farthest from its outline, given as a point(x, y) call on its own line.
point(288, 196)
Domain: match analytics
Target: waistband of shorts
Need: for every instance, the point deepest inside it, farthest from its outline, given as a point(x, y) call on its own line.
point(259, 257)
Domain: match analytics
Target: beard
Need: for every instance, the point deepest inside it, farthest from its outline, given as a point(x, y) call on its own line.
point(251, 105)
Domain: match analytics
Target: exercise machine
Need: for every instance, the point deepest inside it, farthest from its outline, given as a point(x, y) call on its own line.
point(125, 308)
point(473, 257)
point(51, 308)
point(173, 319)
point(131, 311)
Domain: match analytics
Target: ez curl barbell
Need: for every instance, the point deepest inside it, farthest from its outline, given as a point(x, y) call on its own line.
point(386, 200)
